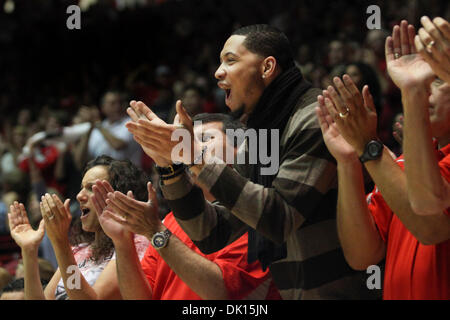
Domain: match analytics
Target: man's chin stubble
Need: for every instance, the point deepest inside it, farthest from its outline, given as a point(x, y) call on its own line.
point(237, 114)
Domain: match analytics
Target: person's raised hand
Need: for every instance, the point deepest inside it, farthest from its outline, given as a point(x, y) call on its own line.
point(354, 113)
point(116, 231)
point(139, 110)
point(340, 149)
point(405, 66)
point(57, 218)
point(137, 216)
point(21, 231)
point(433, 44)
point(160, 140)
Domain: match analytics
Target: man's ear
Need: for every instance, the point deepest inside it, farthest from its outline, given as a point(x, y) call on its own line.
point(269, 67)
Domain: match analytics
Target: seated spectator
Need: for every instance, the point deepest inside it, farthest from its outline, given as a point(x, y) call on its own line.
point(9, 160)
point(416, 249)
point(193, 100)
point(179, 270)
point(110, 137)
point(5, 277)
point(93, 253)
point(15, 289)
point(337, 53)
point(46, 270)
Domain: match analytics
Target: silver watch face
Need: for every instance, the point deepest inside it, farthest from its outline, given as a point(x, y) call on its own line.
point(159, 241)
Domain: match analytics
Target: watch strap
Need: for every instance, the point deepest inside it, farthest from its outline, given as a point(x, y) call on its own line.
point(169, 170)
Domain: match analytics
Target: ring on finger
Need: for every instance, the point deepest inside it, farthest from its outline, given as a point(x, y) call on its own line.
point(430, 45)
point(396, 55)
point(345, 114)
point(51, 217)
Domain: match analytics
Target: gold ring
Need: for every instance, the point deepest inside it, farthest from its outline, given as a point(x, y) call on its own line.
point(51, 217)
point(344, 115)
point(396, 55)
point(430, 45)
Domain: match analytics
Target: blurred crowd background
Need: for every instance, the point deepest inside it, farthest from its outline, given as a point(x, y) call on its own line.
point(58, 85)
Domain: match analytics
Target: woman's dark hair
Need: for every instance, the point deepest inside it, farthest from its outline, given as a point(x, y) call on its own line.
point(370, 77)
point(266, 41)
point(123, 176)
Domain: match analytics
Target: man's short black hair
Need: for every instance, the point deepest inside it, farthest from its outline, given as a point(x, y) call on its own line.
point(228, 122)
point(18, 285)
point(266, 41)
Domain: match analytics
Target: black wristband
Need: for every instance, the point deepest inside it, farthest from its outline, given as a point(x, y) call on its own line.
point(175, 174)
point(169, 170)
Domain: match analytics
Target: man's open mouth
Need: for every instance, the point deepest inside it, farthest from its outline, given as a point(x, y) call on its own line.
point(227, 96)
point(85, 212)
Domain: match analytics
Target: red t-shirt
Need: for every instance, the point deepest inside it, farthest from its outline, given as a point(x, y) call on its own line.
point(45, 163)
point(413, 270)
point(242, 280)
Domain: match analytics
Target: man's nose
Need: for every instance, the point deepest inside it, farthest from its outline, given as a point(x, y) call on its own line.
point(220, 73)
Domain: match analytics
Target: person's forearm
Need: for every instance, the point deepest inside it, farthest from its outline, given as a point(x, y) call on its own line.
point(427, 190)
point(33, 288)
point(65, 259)
point(115, 143)
point(80, 153)
point(60, 170)
point(360, 240)
point(203, 276)
point(199, 218)
point(391, 181)
point(133, 283)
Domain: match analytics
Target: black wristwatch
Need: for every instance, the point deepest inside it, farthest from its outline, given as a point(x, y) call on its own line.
point(169, 170)
point(160, 239)
point(372, 151)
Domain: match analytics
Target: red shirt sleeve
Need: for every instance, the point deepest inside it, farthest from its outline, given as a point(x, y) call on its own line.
point(149, 265)
point(49, 155)
point(242, 279)
point(380, 211)
point(444, 165)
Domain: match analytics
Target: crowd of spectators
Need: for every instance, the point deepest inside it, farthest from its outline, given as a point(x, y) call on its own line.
point(61, 90)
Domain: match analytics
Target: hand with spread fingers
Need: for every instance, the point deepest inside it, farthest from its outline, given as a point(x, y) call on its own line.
point(433, 44)
point(21, 231)
point(155, 136)
point(339, 148)
point(353, 113)
point(405, 66)
point(135, 216)
point(113, 229)
point(57, 218)
point(138, 110)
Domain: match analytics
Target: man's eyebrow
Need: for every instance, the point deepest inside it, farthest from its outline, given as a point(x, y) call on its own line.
point(87, 185)
point(229, 53)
